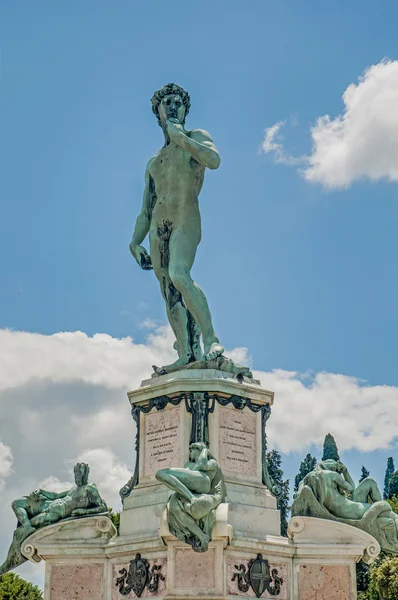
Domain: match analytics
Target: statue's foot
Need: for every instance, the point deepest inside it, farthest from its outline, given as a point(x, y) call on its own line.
point(213, 351)
point(203, 545)
point(28, 530)
point(180, 362)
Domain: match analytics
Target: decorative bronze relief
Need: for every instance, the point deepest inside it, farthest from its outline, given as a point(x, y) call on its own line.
point(138, 577)
point(257, 575)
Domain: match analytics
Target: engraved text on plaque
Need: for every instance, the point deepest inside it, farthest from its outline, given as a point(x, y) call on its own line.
point(162, 440)
point(238, 441)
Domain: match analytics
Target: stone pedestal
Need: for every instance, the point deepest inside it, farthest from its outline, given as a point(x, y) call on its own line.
point(247, 557)
point(85, 561)
point(173, 410)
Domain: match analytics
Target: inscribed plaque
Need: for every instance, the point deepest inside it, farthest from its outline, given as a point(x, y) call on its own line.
point(162, 440)
point(238, 441)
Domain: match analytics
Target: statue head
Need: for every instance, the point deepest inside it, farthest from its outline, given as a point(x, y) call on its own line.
point(81, 471)
point(329, 465)
point(171, 102)
point(195, 450)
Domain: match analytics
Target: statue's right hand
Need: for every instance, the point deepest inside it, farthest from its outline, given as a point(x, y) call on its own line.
point(141, 256)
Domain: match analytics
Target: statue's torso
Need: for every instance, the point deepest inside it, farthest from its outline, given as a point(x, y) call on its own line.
point(80, 496)
point(337, 502)
point(178, 179)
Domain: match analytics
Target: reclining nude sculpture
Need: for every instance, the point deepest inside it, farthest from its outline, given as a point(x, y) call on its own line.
point(170, 216)
point(198, 489)
point(328, 492)
point(41, 508)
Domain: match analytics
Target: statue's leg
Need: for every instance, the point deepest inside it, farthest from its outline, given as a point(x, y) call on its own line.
point(184, 481)
point(189, 523)
point(43, 519)
point(53, 513)
point(19, 507)
point(367, 487)
point(176, 311)
point(183, 244)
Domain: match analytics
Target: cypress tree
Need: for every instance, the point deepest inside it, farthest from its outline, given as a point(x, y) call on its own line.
point(330, 450)
point(274, 463)
point(307, 465)
point(393, 486)
point(364, 473)
point(389, 471)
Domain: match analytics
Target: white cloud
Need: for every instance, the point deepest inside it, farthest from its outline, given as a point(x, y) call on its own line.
point(362, 142)
point(148, 324)
point(53, 484)
point(6, 460)
point(272, 143)
point(63, 399)
point(360, 416)
point(74, 356)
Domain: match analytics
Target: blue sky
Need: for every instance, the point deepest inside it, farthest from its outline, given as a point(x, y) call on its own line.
point(304, 276)
point(305, 279)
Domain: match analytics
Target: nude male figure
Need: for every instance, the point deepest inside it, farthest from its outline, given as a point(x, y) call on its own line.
point(170, 214)
point(43, 508)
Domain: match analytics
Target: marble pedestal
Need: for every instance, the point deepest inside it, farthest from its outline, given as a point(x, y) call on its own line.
point(85, 560)
point(173, 410)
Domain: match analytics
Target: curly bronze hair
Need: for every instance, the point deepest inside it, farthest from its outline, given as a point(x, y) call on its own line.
point(85, 466)
point(166, 90)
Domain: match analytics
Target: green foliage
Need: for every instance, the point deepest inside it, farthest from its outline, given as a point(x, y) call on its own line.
point(115, 518)
point(393, 486)
point(307, 465)
point(274, 462)
point(368, 595)
point(13, 587)
point(393, 502)
point(362, 577)
point(330, 450)
point(389, 471)
point(384, 579)
point(366, 579)
point(364, 473)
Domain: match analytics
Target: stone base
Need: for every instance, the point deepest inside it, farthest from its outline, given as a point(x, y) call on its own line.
point(236, 437)
point(84, 561)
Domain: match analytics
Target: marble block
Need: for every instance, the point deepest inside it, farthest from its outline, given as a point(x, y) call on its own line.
point(325, 582)
point(76, 582)
point(86, 561)
point(326, 553)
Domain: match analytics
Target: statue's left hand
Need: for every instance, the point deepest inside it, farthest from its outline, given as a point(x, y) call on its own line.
point(175, 129)
point(78, 512)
